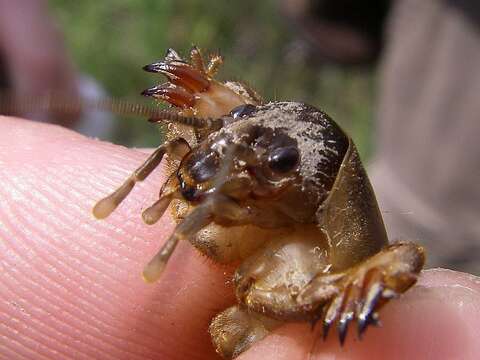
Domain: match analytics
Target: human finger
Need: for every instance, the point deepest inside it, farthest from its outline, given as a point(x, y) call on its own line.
point(71, 285)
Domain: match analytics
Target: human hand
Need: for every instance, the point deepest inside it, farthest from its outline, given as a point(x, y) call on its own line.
point(71, 285)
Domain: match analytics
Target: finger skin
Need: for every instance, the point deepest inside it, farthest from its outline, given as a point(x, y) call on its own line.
point(71, 286)
point(437, 319)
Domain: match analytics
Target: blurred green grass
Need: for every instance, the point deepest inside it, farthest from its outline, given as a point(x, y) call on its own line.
point(112, 39)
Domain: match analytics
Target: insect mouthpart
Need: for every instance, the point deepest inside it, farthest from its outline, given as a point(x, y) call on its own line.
point(220, 167)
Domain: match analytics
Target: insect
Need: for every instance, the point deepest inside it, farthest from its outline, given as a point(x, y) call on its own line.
point(279, 188)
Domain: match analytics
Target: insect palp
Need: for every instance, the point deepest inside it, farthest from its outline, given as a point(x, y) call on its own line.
point(200, 217)
point(177, 147)
point(153, 213)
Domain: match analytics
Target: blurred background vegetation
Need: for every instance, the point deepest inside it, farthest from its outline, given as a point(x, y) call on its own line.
point(112, 39)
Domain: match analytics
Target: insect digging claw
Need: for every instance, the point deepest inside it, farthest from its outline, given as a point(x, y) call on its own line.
point(325, 329)
point(175, 95)
point(363, 323)
point(373, 296)
point(342, 327)
point(332, 313)
point(172, 55)
point(361, 326)
point(181, 74)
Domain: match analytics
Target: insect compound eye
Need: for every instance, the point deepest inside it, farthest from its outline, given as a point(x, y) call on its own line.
point(284, 159)
point(242, 110)
point(203, 166)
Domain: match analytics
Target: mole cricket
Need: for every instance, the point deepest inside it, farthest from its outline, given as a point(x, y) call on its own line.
point(277, 187)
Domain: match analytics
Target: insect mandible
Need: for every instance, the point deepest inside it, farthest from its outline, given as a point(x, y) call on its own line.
point(278, 187)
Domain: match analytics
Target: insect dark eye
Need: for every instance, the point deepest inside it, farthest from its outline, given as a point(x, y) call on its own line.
point(203, 166)
point(283, 160)
point(242, 110)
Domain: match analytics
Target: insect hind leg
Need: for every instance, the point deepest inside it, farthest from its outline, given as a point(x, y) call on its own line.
point(235, 330)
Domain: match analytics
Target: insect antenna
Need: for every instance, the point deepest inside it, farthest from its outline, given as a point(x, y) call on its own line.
point(61, 104)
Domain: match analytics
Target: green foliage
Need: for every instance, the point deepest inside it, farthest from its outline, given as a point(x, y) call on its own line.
point(112, 39)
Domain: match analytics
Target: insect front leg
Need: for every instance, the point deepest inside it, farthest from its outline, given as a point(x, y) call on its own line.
point(359, 292)
point(192, 88)
point(176, 148)
point(294, 280)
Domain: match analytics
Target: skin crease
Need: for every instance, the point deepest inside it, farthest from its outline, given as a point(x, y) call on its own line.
point(71, 286)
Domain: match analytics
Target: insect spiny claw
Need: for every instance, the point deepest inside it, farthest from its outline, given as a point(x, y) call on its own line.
point(373, 296)
point(196, 59)
point(363, 321)
point(342, 326)
point(331, 314)
point(172, 55)
point(169, 69)
point(175, 95)
point(181, 74)
point(361, 326)
point(150, 91)
point(325, 329)
point(150, 68)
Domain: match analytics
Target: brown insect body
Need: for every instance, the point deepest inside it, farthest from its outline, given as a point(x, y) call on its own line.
point(280, 188)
